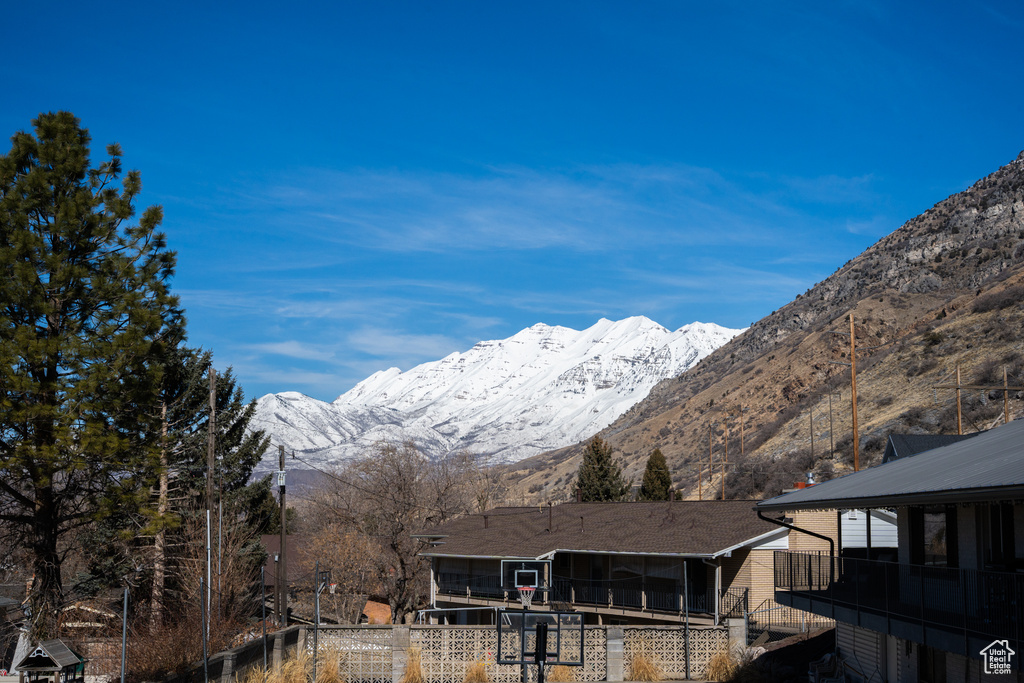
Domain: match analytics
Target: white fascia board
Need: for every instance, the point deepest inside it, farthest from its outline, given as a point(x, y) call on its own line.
point(549, 555)
point(884, 515)
point(767, 536)
point(481, 557)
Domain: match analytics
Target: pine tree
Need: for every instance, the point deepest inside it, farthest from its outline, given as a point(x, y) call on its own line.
point(600, 478)
point(657, 483)
point(85, 313)
point(155, 526)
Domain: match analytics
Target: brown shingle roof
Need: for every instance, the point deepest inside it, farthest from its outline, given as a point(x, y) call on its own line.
point(678, 528)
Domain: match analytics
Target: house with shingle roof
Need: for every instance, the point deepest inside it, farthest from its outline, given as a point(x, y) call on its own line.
point(629, 562)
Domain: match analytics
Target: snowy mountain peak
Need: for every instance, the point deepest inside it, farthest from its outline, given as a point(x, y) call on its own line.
point(542, 388)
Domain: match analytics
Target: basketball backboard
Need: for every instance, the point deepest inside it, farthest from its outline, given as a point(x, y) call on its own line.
point(525, 574)
point(517, 637)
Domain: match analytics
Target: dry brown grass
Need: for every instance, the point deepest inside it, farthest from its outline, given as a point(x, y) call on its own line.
point(722, 667)
point(413, 668)
point(328, 667)
point(294, 670)
point(643, 669)
point(476, 673)
point(560, 673)
point(256, 675)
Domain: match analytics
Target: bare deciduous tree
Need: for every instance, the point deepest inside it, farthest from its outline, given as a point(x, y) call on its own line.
point(352, 559)
point(385, 498)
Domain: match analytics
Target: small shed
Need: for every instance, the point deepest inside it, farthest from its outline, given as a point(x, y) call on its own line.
point(52, 660)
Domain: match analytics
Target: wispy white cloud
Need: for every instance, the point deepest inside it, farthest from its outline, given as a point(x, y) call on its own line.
point(296, 349)
point(831, 189)
point(384, 343)
point(874, 226)
point(581, 209)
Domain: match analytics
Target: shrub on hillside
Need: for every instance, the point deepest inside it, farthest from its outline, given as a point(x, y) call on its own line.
point(996, 301)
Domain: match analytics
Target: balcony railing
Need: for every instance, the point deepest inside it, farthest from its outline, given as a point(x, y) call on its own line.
point(662, 595)
point(965, 602)
point(455, 583)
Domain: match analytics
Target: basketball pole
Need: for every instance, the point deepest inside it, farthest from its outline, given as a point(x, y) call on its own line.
point(524, 673)
point(542, 649)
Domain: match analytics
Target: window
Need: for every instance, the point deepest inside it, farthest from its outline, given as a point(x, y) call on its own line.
point(933, 536)
point(997, 552)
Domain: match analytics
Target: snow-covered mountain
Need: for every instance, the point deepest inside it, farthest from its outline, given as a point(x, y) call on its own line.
point(543, 388)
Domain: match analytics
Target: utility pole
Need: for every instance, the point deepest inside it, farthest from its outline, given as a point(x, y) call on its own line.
point(700, 479)
point(853, 395)
point(1005, 386)
point(726, 460)
point(211, 440)
point(741, 432)
point(711, 471)
point(159, 540)
point(959, 410)
point(853, 392)
point(282, 570)
point(738, 412)
point(831, 429)
point(1006, 399)
point(727, 437)
point(811, 413)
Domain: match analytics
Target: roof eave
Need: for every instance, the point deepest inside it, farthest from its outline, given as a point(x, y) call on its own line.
point(463, 556)
point(952, 496)
point(547, 555)
point(751, 541)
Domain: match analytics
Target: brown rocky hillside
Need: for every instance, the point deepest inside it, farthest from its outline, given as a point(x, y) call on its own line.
point(945, 289)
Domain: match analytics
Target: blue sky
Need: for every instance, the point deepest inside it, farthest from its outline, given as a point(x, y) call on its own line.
point(353, 186)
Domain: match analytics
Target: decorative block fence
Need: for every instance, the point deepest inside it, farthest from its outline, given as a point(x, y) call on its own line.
point(379, 654)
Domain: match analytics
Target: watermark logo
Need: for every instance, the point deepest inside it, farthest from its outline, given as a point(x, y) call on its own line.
point(997, 656)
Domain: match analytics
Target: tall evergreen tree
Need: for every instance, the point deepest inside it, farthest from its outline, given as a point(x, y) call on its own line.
point(250, 507)
point(600, 478)
point(146, 540)
point(85, 314)
point(657, 483)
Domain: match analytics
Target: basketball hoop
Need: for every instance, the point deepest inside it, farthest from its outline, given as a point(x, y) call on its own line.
point(526, 595)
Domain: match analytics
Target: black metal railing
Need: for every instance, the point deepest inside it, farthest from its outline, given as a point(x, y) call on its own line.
point(770, 622)
point(734, 602)
point(963, 600)
point(663, 595)
point(481, 586)
point(650, 593)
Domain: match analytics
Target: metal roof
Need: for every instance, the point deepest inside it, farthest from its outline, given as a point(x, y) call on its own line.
point(988, 467)
point(907, 445)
